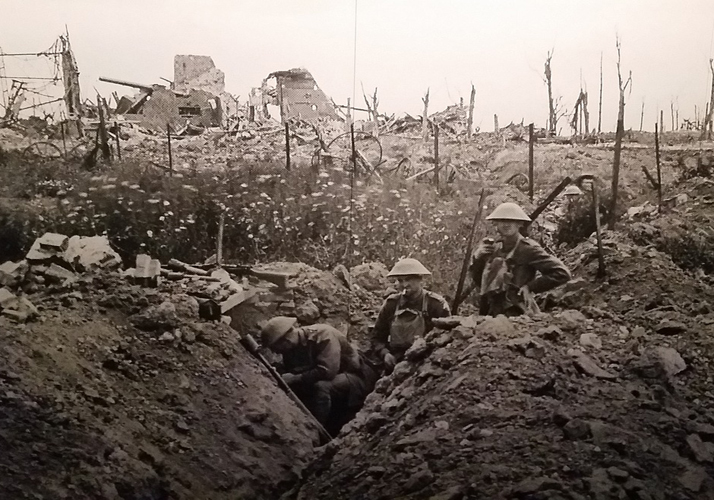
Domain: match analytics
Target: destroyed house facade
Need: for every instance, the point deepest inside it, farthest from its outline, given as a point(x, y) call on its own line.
point(297, 95)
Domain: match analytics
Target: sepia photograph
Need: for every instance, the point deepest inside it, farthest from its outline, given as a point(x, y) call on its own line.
point(357, 250)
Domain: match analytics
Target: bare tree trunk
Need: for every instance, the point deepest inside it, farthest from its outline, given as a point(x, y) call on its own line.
point(706, 130)
point(586, 114)
point(619, 133)
point(671, 112)
point(552, 120)
point(472, 101)
point(495, 123)
point(642, 115)
point(425, 116)
point(677, 118)
point(599, 110)
point(661, 121)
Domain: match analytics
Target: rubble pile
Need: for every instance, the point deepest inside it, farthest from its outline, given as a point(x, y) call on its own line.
point(571, 406)
point(112, 386)
point(583, 401)
point(130, 384)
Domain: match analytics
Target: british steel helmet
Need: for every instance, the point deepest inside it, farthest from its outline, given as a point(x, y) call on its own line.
point(509, 211)
point(409, 267)
point(275, 329)
point(572, 190)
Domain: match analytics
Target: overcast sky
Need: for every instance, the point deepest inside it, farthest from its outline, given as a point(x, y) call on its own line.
point(403, 47)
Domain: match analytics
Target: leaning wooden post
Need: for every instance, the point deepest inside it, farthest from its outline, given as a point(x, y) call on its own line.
point(531, 139)
point(171, 161)
point(436, 155)
point(287, 146)
point(116, 131)
point(102, 130)
point(659, 171)
point(472, 101)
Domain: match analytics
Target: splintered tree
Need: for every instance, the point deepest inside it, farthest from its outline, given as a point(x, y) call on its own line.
point(599, 108)
point(472, 101)
point(551, 105)
point(707, 128)
point(372, 104)
point(554, 111)
point(425, 116)
point(581, 116)
point(620, 132)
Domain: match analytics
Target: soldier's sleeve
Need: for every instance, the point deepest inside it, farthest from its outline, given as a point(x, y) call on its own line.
point(327, 359)
point(552, 271)
point(380, 331)
point(439, 307)
point(476, 268)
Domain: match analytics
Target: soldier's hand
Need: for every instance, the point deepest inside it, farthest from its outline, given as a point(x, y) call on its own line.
point(389, 362)
point(290, 378)
point(486, 247)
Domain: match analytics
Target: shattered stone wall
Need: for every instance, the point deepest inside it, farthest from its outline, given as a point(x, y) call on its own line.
point(298, 96)
point(200, 73)
point(197, 72)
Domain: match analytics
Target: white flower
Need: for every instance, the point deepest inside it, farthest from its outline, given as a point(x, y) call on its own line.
point(150, 233)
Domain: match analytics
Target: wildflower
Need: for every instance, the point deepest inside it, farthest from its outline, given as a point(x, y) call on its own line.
point(91, 188)
point(134, 186)
point(153, 201)
point(150, 233)
point(107, 187)
point(167, 203)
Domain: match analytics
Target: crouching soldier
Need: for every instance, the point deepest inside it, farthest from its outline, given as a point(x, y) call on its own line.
point(511, 270)
point(322, 368)
point(405, 315)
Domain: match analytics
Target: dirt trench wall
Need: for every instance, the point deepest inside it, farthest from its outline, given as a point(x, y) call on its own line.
point(117, 393)
point(562, 407)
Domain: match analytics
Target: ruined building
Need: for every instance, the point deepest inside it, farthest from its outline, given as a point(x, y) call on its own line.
point(296, 95)
point(196, 97)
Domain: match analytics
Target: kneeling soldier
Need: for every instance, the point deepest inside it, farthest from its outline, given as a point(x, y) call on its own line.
point(323, 369)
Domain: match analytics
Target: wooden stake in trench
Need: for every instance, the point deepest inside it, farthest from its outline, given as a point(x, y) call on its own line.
point(171, 162)
point(531, 140)
point(458, 296)
point(116, 131)
point(659, 171)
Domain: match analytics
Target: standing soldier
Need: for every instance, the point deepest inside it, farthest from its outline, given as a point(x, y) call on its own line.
point(406, 315)
point(322, 368)
point(511, 270)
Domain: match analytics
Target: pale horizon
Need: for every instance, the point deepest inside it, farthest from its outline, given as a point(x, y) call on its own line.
point(403, 47)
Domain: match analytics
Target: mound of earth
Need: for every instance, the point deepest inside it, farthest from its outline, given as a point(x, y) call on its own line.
point(119, 392)
point(553, 407)
point(607, 397)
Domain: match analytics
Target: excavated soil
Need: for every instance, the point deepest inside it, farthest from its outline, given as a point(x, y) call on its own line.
point(606, 396)
point(93, 407)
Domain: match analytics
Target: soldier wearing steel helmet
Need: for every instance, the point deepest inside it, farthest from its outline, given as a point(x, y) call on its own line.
point(321, 367)
point(405, 315)
point(511, 270)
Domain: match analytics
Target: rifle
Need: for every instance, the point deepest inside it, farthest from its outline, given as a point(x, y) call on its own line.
point(467, 258)
point(251, 346)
